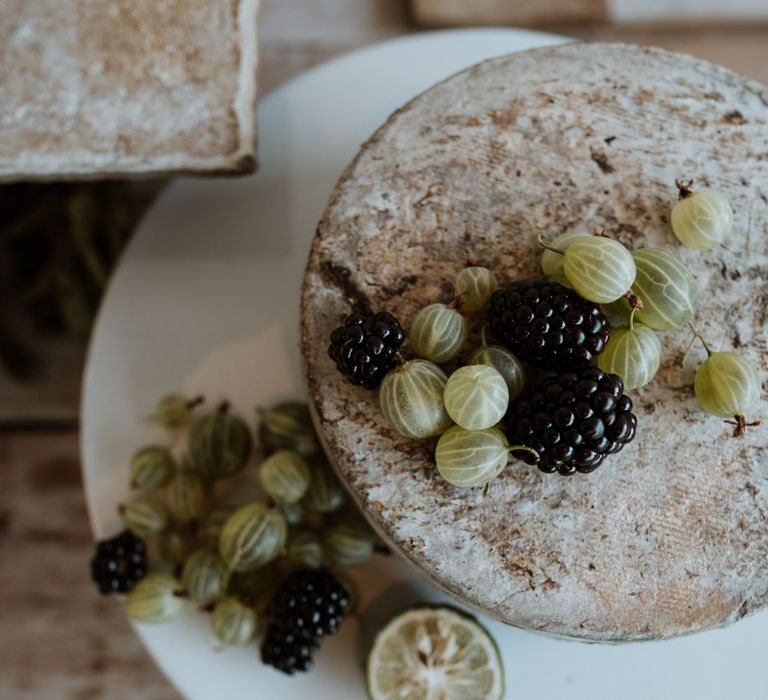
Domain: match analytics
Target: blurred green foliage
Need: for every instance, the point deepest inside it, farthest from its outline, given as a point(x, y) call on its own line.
point(58, 245)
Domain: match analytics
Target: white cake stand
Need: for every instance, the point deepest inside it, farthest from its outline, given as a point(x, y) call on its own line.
point(206, 300)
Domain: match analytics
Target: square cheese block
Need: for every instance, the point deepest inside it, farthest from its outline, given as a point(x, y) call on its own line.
point(101, 88)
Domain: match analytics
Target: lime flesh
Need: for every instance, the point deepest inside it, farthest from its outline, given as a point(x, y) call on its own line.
point(434, 653)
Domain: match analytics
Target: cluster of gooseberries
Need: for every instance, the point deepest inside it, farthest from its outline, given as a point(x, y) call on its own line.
point(231, 558)
point(661, 297)
point(557, 324)
point(541, 323)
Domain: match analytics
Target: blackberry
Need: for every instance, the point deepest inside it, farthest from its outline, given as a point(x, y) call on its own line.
point(308, 605)
point(573, 420)
point(310, 600)
point(365, 347)
point(119, 563)
point(288, 650)
point(546, 324)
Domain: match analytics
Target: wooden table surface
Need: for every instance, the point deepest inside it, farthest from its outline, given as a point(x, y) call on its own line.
point(59, 640)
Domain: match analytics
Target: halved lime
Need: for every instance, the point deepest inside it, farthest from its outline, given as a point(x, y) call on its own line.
point(434, 653)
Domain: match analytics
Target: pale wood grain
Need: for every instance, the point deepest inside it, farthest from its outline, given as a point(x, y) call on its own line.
point(54, 395)
point(59, 639)
point(330, 22)
point(526, 13)
point(496, 12)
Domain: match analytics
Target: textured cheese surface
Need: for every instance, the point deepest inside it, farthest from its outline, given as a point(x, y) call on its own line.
point(670, 535)
point(100, 87)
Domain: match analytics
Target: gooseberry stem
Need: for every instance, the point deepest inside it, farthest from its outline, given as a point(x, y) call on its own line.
point(698, 335)
point(482, 335)
point(741, 425)
point(684, 188)
point(194, 403)
point(634, 301)
point(540, 239)
point(688, 349)
point(631, 323)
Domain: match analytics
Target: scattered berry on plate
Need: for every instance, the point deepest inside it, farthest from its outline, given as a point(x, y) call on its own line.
point(325, 493)
point(312, 600)
point(156, 598)
point(305, 549)
point(473, 287)
point(476, 397)
point(285, 476)
point(701, 219)
point(552, 262)
point(204, 576)
point(175, 411)
point(573, 420)
point(176, 545)
point(633, 353)
point(504, 362)
point(188, 496)
point(233, 622)
point(348, 544)
point(209, 529)
point(287, 425)
point(365, 347)
point(307, 606)
point(152, 467)
point(411, 399)
point(599, 269)
point(546, 324)
point(145, 515)
point(437, 333)
point(254, 535)
point(287, 649)
point(728, 385)
point(668, 291)
point(119, 563)
point(220, 443)
point(467, 458)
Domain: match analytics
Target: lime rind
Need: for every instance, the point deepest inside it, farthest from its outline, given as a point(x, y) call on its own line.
point(434, 653)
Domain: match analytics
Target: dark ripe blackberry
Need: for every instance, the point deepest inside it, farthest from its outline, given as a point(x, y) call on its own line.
point(288, 650)
point(119, 563)
point(312, 601)
point(573, 420)
point(365, 347)
point(546, 324)
point(308, 605)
